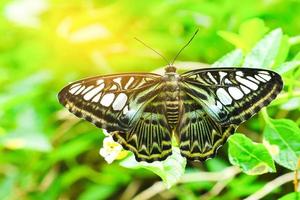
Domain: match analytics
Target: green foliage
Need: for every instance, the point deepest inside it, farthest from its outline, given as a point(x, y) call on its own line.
point(264, 53)
point(252, 158)
point(291, 196)
point(282, 138)
point(249, 33)
point(233, 58)
point(46, 153)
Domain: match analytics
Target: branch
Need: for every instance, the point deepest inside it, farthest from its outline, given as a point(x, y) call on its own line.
point(159, 187)
point(269, 187)
point(151, 191)
point(216, 189)
point(225, 174)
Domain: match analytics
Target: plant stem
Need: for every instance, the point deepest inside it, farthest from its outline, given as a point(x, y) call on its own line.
point(294, 40)
point(265, 115)
point(296, 181)
point(270, 186)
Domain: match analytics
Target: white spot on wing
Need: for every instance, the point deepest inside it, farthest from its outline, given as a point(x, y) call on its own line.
point(75, 85)
point(118, 80)
point(80, 90)
point(247, 83)
point(125, 110)
point(212, 78)
point(222, 75)
point(224, 96)
point(264, 72)
point(193, 76)
point(107, 99)
point(219, 105)
point(264, 76)
point(87, 89)
point(93, 92)
point(260, 78)
point(245, 90)
point(100, 81)
point(114, 87)
point(120, 101)
point(227, 81)
point(235, 93)
point(130, 81)
point(252, 79)
point(96, 98)
point(74, 89)
point(140, 83)
point(239, 73)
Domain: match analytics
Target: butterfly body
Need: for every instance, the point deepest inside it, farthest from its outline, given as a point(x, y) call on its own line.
point(143, 111)
point(171, 96)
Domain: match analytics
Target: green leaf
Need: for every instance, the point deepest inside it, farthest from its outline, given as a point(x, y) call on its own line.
point(251, 31)
point(282, 139)
point(264, 53)
point(170, 170)
point(97, 192)
point(291, 196)
point(253, 158)
point(283, 51)
point(233, 58)
point(297, 56)
point(233, 38)
point(287, 66)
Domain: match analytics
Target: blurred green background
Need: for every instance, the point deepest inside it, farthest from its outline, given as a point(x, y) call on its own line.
point(46, 153)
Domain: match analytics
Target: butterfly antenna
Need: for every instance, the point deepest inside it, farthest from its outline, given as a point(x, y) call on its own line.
point(185, 46)
point(167, 61)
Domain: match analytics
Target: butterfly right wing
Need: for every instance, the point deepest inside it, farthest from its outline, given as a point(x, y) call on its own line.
point(200, 136)
point(232, 95)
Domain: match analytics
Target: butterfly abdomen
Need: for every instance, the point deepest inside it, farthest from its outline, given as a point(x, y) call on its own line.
point(171, 92)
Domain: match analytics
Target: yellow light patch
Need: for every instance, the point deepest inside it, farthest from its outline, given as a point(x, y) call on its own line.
point(15, 143)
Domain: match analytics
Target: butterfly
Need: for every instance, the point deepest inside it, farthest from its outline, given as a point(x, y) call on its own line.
point(200, 108)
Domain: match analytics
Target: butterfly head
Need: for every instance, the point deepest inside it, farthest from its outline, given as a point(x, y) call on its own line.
point(170, 69)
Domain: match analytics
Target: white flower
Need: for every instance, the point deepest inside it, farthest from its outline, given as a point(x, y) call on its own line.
point(112, 150)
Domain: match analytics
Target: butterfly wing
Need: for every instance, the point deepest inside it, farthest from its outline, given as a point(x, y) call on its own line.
point(231, 95)
point(124, 105)
point(150, 138)
point(110, 102)
point(200, 136)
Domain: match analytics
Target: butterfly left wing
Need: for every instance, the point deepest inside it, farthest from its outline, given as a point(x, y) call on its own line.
point(110, 102)
point(128, 106)
point(150, 138)
point(231, 95)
